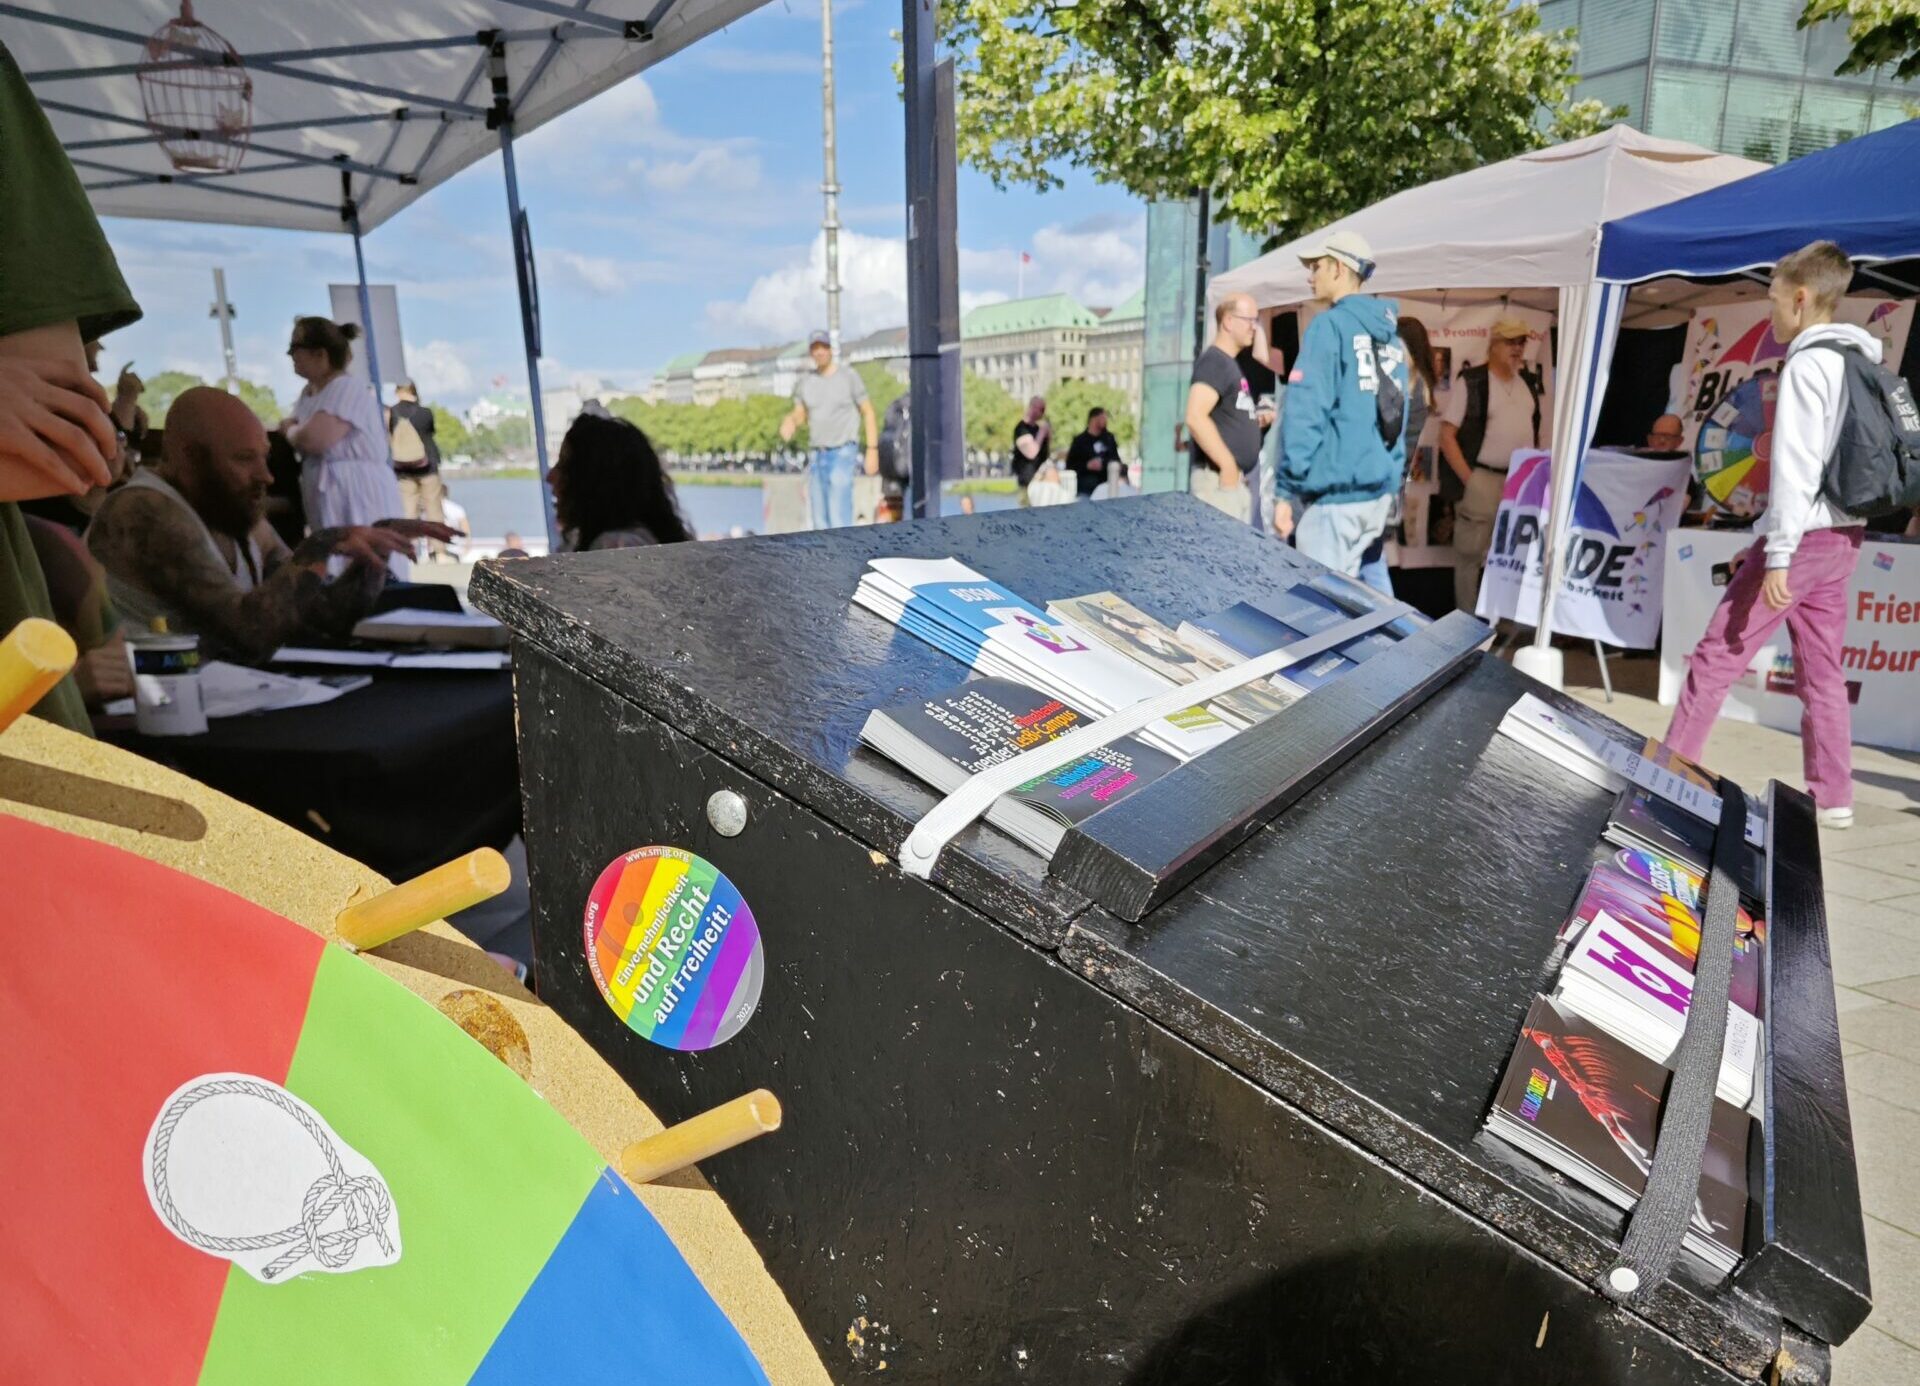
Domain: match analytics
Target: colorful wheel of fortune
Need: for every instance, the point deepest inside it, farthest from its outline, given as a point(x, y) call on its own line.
point(1732, 456)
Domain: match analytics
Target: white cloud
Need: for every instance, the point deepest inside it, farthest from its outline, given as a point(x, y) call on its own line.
point(1100, 261)
point(715, 169)
point(792, 300)
point(441, 372)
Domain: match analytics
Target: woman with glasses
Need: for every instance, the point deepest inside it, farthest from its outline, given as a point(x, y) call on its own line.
point(346, 468)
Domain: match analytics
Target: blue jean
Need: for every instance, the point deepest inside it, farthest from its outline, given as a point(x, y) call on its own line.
point(1339, 535)
point(830, 485)
point(1373, 567)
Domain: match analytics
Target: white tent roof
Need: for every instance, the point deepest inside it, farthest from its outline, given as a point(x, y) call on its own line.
point(1529, 223)
point(394, 93)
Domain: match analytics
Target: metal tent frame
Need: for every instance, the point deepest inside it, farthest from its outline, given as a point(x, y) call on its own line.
point(122, 175)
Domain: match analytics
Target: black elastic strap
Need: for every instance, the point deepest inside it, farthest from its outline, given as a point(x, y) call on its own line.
point(1660, 1220)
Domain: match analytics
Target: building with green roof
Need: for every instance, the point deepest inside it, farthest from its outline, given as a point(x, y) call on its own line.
point(1115, 348)
point(1024, 345)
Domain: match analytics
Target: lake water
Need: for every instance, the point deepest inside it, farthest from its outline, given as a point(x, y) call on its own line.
point(495, 505)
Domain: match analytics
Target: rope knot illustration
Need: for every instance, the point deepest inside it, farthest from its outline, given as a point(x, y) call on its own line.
point(340, 1210)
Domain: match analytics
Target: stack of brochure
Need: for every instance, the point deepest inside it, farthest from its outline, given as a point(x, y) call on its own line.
point(1251, 628)
point(959, 732)
point(1622, 981)
point(1588, 1106)
point(994, 631)
point(1126, 629)
point(1603, 752)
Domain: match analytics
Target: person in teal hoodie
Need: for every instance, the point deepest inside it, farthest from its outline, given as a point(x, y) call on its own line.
point(1338, 472)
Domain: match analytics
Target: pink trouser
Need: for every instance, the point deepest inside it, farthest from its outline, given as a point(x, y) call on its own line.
point(1816, 618)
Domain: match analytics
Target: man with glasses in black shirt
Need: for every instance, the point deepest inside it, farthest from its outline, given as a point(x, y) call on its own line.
point(1223, 420)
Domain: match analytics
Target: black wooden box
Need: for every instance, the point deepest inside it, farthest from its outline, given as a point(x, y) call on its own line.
point(1238, 1140)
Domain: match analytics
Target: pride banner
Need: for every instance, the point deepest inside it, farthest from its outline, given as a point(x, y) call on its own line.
point(1616, 546)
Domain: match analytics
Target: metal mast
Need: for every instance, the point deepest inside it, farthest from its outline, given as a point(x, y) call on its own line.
point(223, 310)
point(830, 183)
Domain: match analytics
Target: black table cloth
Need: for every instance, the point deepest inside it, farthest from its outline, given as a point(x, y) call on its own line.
point(415, 768)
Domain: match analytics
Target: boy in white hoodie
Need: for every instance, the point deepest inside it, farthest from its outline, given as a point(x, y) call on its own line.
point(1809, 546)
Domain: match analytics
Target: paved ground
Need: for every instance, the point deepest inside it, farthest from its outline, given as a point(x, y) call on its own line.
point(1873, 916)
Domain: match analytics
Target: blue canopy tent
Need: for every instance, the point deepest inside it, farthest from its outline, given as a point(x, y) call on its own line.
point(1862, 194)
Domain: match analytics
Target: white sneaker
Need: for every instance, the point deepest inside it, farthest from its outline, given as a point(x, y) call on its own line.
point(1839, 819)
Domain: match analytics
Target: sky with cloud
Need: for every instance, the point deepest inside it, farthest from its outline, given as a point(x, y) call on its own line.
point(678, 211)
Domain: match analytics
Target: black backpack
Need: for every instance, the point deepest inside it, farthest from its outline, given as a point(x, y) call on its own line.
point(896, 441)
point(1875, 467)
point(1389, 399)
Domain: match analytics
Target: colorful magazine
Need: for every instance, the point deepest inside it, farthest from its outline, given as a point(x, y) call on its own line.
point(1588, 1106)
point(1124, 627)
point(961, 731)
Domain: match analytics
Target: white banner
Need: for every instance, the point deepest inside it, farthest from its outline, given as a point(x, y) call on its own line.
point(1731, 363)
point(388, 342)
point(1424, 536)
point(1616, 544)
point(1880, 656)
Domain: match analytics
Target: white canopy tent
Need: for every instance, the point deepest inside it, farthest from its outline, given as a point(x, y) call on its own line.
point(397, 96)
point(352, 110)
point(1529, 224)
point(1526, 230)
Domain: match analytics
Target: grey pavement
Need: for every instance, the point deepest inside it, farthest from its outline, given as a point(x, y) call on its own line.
point(1872, 874)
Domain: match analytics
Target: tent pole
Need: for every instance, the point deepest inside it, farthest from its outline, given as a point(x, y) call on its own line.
point(936, 429)
point(366, 299)
point(523, 278)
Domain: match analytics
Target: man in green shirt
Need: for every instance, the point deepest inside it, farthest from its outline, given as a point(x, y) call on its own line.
point(59, 287)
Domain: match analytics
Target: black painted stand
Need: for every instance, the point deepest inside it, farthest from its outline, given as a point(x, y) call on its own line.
point(1237, 1140)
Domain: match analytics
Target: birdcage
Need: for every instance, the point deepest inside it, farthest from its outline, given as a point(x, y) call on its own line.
point(198, 96)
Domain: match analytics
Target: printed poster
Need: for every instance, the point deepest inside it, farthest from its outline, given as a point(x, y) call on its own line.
point(1616, 546)
point(1879, 657)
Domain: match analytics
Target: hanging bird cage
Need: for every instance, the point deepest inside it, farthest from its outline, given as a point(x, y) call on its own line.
point(198, 97)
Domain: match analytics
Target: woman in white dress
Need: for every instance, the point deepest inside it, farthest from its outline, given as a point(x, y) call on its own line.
point(346, 468)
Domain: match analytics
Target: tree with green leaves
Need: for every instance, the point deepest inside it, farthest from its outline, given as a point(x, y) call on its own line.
point(1291, 112)
point(1882, 32)
point(450, 432)
point(1069, 402)
point(512, 434)
point(260, 399)
point(162, 389)
point(990, 414)
point(883, 386)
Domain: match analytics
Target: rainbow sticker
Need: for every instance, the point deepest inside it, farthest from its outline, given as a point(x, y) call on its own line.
point(674, 948)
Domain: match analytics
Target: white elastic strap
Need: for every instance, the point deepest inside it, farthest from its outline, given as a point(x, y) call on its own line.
point(945, 820)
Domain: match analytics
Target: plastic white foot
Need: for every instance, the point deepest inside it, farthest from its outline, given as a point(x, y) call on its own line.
point(1548, 665)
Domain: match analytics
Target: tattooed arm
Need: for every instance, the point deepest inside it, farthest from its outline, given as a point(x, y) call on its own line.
point(149, 542)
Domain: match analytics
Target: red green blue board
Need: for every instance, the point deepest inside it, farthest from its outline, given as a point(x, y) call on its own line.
point(674, 948)
point(525, 1259)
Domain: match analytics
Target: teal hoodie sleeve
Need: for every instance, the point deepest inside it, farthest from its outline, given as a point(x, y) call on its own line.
point(1306, 425)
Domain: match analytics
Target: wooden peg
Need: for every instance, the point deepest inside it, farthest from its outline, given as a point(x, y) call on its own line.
point(694, 1139)
point(445, 890)
point(34, 657)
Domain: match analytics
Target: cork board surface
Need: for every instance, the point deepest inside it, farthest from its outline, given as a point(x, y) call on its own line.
point(56, 778)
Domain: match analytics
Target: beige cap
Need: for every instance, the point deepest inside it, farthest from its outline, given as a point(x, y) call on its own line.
point(1350, 248)
point(1510, 328)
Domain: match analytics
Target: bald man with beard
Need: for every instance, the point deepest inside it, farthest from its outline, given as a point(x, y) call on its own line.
point(188, 542)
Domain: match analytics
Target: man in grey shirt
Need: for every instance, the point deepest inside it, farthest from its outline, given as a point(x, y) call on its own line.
point(832, 403)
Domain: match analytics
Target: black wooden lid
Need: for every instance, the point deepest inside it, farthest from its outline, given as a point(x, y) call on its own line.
point(1368, 956)
point(754, 648)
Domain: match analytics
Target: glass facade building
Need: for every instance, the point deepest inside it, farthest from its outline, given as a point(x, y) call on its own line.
point(1733, 75)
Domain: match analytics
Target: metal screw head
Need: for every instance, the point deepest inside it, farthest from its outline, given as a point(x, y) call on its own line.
point(727, 811)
